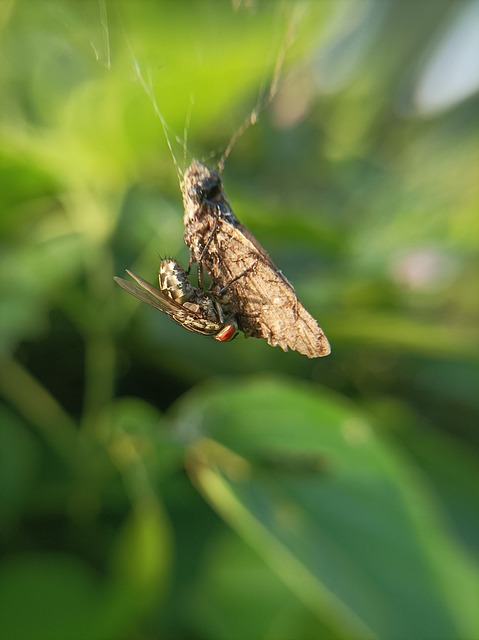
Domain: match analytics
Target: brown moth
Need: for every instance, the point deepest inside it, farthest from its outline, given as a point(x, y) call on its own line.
point(249, 285)
point(187, 305)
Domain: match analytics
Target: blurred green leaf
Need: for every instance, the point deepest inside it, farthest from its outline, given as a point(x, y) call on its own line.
point(141, 447)
point(451, 468)
point(53, 597)
point(19, 459)
point(359, 531)
point(142, 557)
point(234, 580)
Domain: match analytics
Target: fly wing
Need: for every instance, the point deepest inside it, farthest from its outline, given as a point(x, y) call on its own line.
point(189, 319)
point(146, 292)
point(266, 303)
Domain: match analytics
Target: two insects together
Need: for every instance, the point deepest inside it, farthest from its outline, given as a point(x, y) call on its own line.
point(248, 292)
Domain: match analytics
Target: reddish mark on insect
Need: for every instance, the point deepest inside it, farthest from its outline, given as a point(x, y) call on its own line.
point(226, 333)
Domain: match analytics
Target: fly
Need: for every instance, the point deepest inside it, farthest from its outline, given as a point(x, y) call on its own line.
point(187, 305)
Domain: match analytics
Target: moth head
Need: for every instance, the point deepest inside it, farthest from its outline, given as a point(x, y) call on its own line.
point(201, 184)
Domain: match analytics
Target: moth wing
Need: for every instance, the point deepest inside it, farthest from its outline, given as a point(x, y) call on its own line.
point(267, 303)
point(247, 233)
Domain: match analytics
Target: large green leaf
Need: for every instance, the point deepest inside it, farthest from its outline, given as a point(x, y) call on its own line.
point(53, 597)
point(345, 522)
point(234, 580)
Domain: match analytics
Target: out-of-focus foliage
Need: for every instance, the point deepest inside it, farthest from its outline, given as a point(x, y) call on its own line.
point(156, 484)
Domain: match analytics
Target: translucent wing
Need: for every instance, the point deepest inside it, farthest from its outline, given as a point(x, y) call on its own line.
point(146, 292)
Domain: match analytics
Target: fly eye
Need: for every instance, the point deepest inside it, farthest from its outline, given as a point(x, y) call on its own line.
point(226, 333)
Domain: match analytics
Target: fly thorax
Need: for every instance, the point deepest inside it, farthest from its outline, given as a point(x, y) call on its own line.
point(203, 305)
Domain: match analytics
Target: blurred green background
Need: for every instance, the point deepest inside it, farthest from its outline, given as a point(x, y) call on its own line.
point(157, 484)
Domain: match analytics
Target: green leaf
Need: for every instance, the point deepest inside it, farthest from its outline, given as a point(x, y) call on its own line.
point(335, 511)
point(234, 580)
point(141, 558)
point(139, 437)
point(52, 597)
point(19, 460)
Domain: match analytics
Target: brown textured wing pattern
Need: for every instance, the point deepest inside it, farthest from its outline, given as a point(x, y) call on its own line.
point(265, 302)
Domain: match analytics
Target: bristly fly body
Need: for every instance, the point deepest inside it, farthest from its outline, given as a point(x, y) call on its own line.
point(262, 300)
point(187, 305)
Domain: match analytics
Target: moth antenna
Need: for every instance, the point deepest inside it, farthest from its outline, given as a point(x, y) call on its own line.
point(264, 99)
